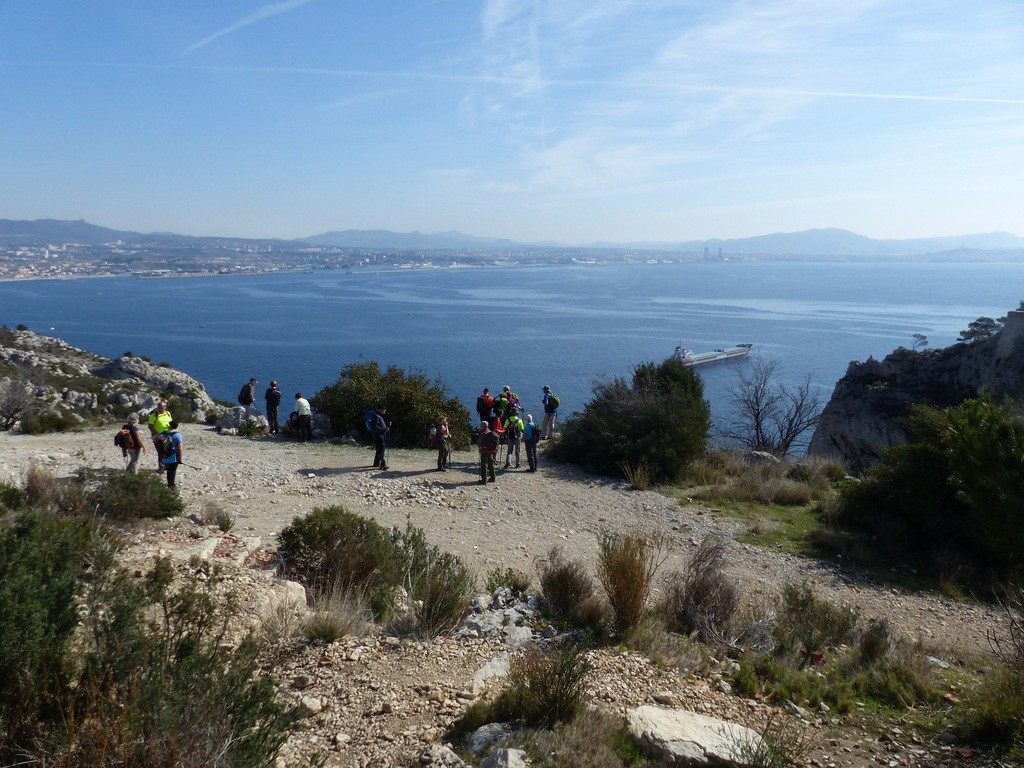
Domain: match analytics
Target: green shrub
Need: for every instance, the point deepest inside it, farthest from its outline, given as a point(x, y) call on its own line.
point(125, 496)
point(782, 743)
point(441, 592)
point(567, 591)
point(332, 549)
point(50, 421)
point(954, 492)
point(659, 421)
point(417, 400)
point(172, 691)
point(544, 688)
point(12, 498)
point(40, 574)
point(181, 408)
point(514, 579)
point(626, 565)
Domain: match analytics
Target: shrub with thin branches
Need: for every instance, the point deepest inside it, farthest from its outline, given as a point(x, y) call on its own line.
point(626, 566)
point(337, 614)
point(565, 587)
point(702, 599)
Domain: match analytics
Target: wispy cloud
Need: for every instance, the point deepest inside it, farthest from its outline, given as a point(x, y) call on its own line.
point(260, 14)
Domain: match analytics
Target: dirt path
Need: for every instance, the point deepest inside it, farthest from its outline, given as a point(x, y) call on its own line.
point(266, 483)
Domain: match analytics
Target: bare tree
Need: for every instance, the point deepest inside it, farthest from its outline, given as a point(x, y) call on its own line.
point(15, 400)
point(769, 415)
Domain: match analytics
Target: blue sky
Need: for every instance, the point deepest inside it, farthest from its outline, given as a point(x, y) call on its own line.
point(568, 120)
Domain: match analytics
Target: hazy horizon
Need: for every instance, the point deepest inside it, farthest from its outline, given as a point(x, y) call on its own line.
point(567, 121)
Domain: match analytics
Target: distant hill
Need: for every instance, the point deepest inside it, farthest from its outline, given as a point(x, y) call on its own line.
point(413, 241)
point(43, 231)
point(812, 242)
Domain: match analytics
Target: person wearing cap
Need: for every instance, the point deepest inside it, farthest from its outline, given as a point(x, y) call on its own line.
point(273, 399)
point(247, 396)
point(547, 427)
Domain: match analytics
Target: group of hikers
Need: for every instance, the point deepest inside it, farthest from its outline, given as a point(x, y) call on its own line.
point(501, 429)
point(163, 433)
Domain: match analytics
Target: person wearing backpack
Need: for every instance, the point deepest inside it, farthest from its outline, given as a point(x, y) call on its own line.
point(159, 421)
point(273, 399)
point(172, 451)
point(484, 405)
point(487, 443)
point(131, 443)
point(247, 395)
point(547, 427)
point(513, 430)
point(531, 434)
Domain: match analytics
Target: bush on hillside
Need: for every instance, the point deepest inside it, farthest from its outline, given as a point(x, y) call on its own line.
point(334, 550)
point(954, 492)
point(40, 575)
point(125, 496)
point(659, 422)
point(412, 400)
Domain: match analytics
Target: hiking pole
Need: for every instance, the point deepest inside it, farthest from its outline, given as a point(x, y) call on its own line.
point(191, 466)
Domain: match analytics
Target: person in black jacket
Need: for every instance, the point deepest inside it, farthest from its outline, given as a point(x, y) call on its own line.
point(247, 395)
point(273, 398)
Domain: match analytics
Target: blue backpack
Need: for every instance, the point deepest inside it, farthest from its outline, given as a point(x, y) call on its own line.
point(370, 417)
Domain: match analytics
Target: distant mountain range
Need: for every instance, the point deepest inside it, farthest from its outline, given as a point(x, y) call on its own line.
point(812, 242)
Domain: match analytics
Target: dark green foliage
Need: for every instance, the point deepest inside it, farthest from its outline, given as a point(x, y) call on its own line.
point(334, 549)
point(808, 621)
point(49, 421)
point(980, 329)
point(412, 400)
point(12, 498)
point(125, 496)
point(659, 422)
point(955, 491)
point(180, 407)
point(42, 563)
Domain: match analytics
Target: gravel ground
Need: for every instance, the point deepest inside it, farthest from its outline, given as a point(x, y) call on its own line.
point(379, 701)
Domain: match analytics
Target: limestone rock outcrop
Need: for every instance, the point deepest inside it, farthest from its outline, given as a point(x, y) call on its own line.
point(679, 737)
point(80, 385)
point(866, 411)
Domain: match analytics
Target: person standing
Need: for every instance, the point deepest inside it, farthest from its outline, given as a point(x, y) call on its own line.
point(513, 431)
point(173, 458)
point(484, 405)
point(137, 447)
point(247, 395)
point(273, 398)
point(380, 428)
point(487, 442)
point(531, 434)
point(547, 428)
point(444, 446)
point(159, 421)
point(304, 416)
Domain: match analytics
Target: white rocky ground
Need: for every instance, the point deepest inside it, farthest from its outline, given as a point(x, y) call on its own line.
point(379, 701)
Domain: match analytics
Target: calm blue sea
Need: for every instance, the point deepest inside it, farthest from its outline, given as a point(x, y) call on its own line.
point(526, 327)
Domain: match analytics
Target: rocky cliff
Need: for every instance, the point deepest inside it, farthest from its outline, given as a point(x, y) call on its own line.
point(868, 404)
point(42, 375)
